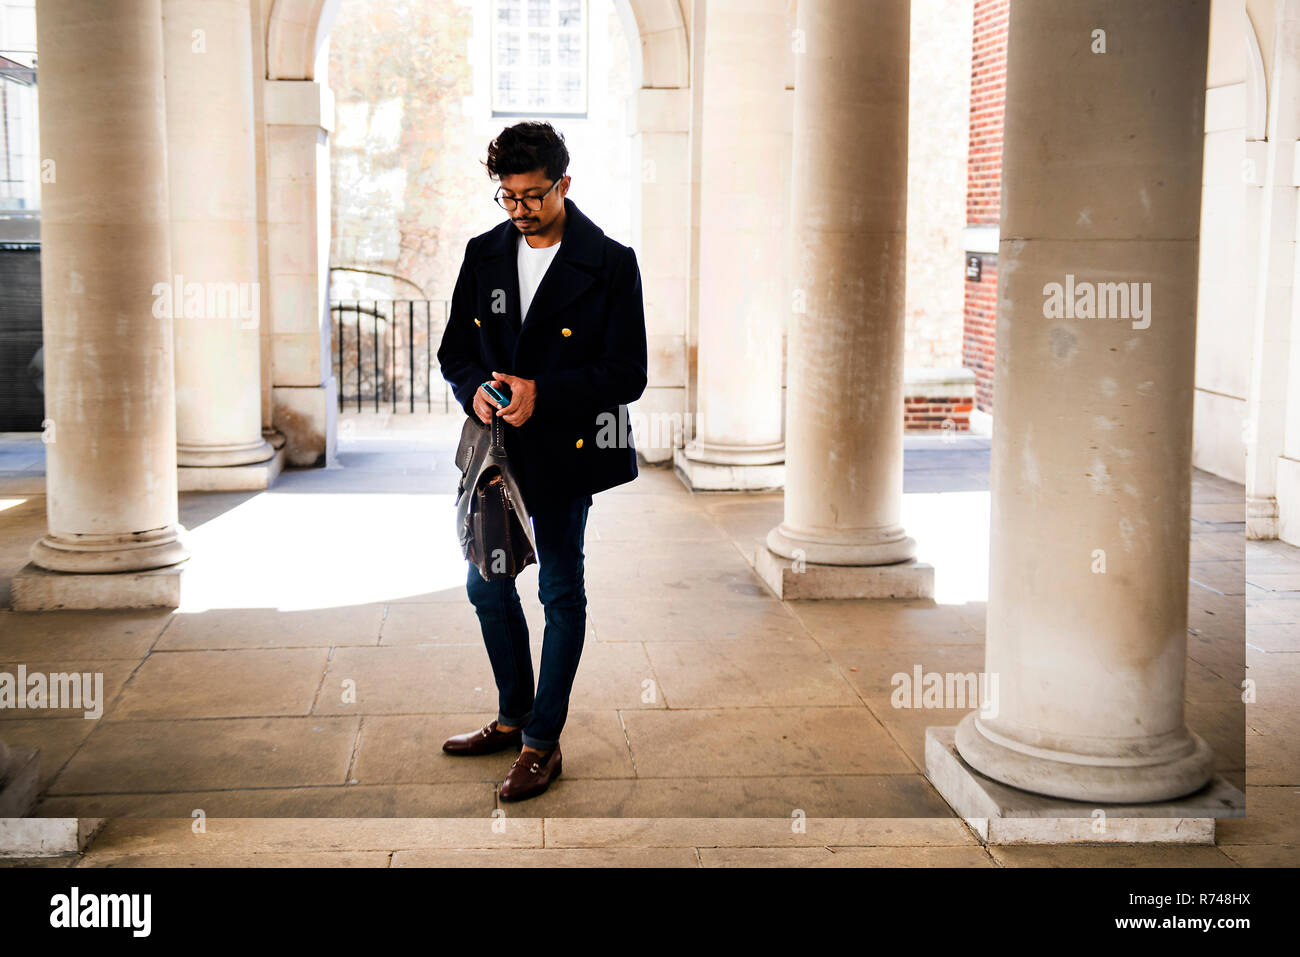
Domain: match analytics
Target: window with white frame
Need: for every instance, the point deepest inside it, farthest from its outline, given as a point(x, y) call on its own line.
point(539, 58)
point(20, 187)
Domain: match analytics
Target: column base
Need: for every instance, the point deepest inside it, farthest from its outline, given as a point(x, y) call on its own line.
point(307, 416)
point(228, 456)
point(110, 554)
point(1181, 768)
point(231, 478)
point(700, 476)
point(1000, 814)
point(1261, 518)
point(806, 580)
point(20, 772)
point(888, 546)
point(30, 837)
point(39, 589)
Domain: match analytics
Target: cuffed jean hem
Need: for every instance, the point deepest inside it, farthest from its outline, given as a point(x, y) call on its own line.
point(539, 744)
point(514, 722)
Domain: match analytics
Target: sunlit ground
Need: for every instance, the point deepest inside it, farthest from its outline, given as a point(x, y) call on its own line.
point(318, 548)
point(952, 534)
point(295, 552)
point(334, 537)
point(321, 550)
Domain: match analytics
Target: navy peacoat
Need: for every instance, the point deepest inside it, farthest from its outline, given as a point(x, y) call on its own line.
point(584, 344)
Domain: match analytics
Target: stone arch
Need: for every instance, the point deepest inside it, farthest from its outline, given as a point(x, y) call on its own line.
point(1256, 85)
point(298, 116)
point(295, 34)
point(297, 30)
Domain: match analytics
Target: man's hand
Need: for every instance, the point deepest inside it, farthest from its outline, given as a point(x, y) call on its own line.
point(523, 398)
point(483, 406)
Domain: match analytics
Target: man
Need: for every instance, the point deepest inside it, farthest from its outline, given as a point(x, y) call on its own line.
point(548, 310)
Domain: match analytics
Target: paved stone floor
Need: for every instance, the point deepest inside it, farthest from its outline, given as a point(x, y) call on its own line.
point(710, 723)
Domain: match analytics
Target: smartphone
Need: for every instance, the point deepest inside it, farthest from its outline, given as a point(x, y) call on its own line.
point(501, 395)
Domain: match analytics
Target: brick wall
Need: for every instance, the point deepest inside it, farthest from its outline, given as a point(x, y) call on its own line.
point(929, 413)
point(939, 89)
point(987, 96)
point(984, 187)
point(938, 400)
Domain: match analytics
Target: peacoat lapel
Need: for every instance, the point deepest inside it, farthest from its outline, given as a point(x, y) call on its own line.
point(571, 273)
point(498, 282)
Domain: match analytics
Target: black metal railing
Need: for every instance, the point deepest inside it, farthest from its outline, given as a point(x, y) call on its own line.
point(383, 351)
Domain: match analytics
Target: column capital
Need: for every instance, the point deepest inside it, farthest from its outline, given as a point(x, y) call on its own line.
point(298, 103)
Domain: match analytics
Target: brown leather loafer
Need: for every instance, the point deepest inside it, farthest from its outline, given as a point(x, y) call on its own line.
point(530, 775)
point(486, 740)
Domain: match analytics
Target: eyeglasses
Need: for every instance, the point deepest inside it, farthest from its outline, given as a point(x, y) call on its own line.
point(531, 203)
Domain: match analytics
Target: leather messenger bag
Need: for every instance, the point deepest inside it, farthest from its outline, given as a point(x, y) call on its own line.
point(496, 533)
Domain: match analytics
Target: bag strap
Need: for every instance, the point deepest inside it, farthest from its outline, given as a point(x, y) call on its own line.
point(498, 437)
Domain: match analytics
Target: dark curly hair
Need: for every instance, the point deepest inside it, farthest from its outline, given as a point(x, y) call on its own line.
point(525, 147)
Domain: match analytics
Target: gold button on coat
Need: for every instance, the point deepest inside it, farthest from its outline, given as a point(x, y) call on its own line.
point(579, 445)
point(566, 332)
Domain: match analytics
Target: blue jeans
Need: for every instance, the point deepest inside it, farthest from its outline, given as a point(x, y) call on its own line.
point(559, 533)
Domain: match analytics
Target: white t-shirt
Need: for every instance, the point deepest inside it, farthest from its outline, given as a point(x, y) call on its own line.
point(533, 264)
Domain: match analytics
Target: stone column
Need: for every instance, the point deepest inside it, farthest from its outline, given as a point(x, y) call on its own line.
point(844, 433)
point(258, 9)
point(1273, 407)
point(109, 399)
point(661, 217)
point(216, 295)
point(1091, 498)
point(304, 393)
point(742, 122)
